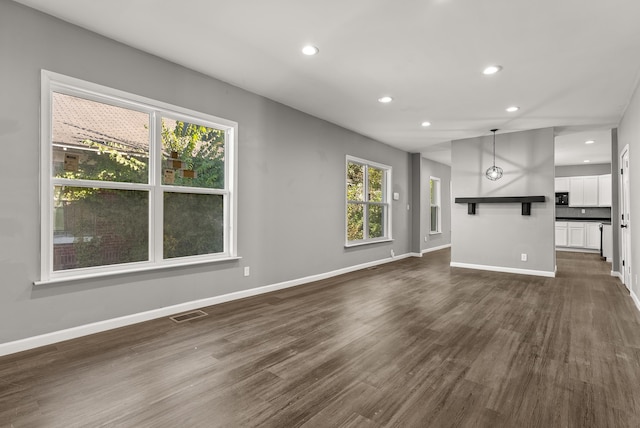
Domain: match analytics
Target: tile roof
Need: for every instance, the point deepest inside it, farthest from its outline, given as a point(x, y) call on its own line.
point(78, 119)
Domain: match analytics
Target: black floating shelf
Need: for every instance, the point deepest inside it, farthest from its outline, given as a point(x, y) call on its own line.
point(524, 200)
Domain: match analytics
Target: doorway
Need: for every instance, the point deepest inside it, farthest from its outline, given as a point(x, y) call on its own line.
point(625, 219)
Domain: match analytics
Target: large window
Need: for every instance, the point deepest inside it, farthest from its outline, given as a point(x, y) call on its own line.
point(130, 183)
point(367, 193)
point(435, 206)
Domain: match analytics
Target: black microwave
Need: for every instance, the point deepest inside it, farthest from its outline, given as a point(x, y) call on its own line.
point(562, 198)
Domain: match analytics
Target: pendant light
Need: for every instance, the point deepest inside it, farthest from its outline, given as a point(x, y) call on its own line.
point(495, 172)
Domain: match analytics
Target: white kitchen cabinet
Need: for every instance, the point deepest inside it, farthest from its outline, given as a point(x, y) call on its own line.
point(604, 190)
point(562, 184)
point(576, 191)
point(592, 234)
point(576, 234)
point(583, 191)
point(590, 195)
point(562, 237)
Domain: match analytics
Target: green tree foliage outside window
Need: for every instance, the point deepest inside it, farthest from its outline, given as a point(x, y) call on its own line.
point(112, 226)
point(366, 205)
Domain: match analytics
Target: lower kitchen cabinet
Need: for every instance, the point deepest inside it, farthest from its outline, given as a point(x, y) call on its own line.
point(592, 233)
point(562, 237)
point(576, 234)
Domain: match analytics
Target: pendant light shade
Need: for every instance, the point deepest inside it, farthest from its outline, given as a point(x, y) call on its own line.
point(494, 172)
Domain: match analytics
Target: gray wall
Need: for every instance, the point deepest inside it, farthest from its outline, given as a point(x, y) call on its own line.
point(291, 182)
point(443, 172)
point(615, 200)
point(629, 134)
point(583, 170)
point(417, 203)
point(498, 233)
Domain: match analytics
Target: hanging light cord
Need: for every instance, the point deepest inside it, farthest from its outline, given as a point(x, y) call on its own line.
point(494, 146)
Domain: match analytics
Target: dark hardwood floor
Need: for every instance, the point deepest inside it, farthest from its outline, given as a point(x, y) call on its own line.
point(412, 343)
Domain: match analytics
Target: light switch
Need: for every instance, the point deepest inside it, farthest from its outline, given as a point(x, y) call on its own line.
point(396, 196)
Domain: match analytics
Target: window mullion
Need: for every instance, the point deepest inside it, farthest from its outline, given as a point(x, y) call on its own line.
point(365, 214)
point(157, 215)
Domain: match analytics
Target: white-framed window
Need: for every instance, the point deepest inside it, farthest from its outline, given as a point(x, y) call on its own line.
point(129, 183)
point(368, 213)
point(435, 221)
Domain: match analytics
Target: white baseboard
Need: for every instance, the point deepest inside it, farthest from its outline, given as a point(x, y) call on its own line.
point(441, 247)
point(504, 269)
point(616, 275)
point(635, 299)
point(97, 327)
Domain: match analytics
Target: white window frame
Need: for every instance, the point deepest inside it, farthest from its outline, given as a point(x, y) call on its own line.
point(438, 205)
point(54, 82)
point(386, 202)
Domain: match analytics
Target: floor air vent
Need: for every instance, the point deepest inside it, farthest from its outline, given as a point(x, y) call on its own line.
point(188, 316)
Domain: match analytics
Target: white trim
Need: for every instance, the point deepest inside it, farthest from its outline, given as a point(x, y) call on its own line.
point(97, 327)
point(616, 274)
point(360, 243)
point(53, 82)
point(142, 267)
point(386, 202)
point(504, 269)
point(441, 247)
point(635, 299)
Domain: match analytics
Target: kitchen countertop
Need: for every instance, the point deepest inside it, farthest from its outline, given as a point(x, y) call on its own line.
point(604, 220)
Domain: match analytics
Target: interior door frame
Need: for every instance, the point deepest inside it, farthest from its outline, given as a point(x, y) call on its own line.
point(625, 218)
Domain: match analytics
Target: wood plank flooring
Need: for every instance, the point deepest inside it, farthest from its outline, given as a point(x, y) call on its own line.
point(412, 343)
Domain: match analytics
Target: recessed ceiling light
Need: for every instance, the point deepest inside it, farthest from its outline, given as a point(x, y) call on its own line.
point(586, 161)
point(385, 99)
point(310, 50)
point(513, 109)
point(589, 142)
point(492, 69)
point(426, 123)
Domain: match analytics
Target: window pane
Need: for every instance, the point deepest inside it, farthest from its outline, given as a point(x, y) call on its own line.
point(355, 182)
point(95, 227)
point(193, 224)
point(434, 219)
point(355, 226)
point(376, 221)
point(376, 180)
point(97, 141)
point(193, 155)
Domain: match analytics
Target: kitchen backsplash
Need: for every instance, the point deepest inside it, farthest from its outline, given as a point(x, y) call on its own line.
point(594, 212)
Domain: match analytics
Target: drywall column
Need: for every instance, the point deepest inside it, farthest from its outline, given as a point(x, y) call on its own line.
point(417, 203)
point(497, 236)
point(615, 204)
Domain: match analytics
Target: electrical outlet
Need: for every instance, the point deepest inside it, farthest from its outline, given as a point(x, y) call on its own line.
point(247, 271)
point(523, 257)
point(393, 254)
point(425, 239)
point(584, 211)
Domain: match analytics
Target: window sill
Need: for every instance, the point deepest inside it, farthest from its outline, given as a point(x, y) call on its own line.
point(358, 244)
point(59, 280)
point(435, 233)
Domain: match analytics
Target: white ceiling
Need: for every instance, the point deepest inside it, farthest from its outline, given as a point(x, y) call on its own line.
point(572, 149)
point(570, 64)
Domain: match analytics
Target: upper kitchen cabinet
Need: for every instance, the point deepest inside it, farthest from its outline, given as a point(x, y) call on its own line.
point(591, 191)
point(583, 191)
point(562, 184)
point(604, 190)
